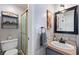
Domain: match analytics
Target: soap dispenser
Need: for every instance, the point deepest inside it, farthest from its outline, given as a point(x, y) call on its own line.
point(54, 38)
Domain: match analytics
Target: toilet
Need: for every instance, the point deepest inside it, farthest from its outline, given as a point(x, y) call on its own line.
point(9, 47)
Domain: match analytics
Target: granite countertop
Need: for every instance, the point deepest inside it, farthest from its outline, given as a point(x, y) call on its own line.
point(62, 51)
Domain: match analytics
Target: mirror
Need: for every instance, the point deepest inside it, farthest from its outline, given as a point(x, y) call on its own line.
point(66, 21)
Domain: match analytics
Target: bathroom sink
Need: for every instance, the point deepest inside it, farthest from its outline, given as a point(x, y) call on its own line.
point(62, 45)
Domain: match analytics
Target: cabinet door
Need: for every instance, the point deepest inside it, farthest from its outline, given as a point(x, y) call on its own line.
point(52, 52)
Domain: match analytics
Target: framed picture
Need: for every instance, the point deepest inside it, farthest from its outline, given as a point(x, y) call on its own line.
point(9, 20)
point(49, 18)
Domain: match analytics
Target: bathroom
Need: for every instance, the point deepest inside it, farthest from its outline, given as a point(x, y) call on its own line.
point(32, 18)
point(38, 14)
point(13, 32)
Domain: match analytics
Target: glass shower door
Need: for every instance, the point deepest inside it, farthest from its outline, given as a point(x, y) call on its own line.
point(24, 35)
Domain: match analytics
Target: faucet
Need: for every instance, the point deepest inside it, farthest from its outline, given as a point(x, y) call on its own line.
point(61, 40)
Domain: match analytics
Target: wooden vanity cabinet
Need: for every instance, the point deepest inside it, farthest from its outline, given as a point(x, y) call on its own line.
point(52, 52)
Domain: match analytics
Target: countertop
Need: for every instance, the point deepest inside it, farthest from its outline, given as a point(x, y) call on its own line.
point(62, 51)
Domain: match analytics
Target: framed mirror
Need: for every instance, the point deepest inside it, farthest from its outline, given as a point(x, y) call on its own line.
point(66, 21)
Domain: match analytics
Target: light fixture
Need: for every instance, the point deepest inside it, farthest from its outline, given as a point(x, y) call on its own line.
point(62, 8)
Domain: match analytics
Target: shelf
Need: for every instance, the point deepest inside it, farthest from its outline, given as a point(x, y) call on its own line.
point(9, 16)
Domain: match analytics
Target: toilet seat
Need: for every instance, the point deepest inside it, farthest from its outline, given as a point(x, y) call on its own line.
point(11, 52)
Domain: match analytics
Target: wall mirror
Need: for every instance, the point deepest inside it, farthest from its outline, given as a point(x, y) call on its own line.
point(66, 21)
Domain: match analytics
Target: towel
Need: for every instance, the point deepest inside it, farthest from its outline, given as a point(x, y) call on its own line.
point(43, 39)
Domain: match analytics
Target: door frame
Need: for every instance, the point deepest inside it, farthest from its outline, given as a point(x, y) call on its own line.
point(26, 11)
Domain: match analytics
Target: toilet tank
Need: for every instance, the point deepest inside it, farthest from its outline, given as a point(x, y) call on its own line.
point(9, 44)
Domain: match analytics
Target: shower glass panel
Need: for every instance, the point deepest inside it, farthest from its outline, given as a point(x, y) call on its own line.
point(24, 37)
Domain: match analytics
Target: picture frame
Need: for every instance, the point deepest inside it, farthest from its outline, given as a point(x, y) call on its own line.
point(9, 20)
point(49, 19)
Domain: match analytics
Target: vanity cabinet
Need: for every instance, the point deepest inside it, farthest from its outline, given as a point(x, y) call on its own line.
point(52, 52)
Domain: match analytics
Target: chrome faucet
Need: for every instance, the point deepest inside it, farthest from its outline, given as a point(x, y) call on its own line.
point(61, 40)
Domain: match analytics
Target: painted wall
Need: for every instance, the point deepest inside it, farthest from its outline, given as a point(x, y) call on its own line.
point(39, 19)
point(57, 6)
point(30, 28)
point(77, 41)
point(14, 33)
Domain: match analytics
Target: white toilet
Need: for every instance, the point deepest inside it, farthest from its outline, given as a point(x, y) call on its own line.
point(10, 47)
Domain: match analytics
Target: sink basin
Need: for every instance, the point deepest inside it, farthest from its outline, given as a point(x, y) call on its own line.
point(62, 45)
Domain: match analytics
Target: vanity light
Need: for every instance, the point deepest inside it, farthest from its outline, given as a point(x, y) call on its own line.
point(62, 8)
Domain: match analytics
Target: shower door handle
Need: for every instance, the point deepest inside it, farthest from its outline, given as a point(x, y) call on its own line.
point(28, 38)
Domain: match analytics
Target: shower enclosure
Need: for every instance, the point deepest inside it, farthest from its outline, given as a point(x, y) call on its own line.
point(24, 34)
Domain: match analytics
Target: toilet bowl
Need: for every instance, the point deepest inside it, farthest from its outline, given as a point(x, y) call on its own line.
point(11, 52)
point(10, 47)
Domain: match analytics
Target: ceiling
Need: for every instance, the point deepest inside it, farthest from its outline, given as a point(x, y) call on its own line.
point(21, 6)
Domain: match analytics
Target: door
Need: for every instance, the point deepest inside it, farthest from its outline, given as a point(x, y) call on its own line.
point(24, 33)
